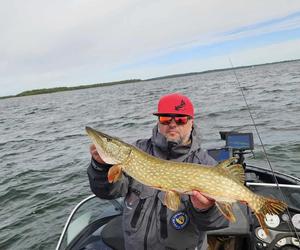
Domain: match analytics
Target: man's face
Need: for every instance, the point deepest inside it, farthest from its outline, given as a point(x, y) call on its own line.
point(176, 133)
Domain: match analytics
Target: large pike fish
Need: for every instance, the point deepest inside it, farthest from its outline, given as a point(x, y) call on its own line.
point(224, 183)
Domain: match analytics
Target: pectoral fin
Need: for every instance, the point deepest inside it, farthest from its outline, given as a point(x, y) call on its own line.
point(172, 200)
point(114, 173)
point(226, 209)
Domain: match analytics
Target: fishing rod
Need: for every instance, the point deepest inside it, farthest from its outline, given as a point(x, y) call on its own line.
point(293, 229)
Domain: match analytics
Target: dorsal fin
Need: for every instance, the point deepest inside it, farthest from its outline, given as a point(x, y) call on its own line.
point(235, 171)
point(226, 162)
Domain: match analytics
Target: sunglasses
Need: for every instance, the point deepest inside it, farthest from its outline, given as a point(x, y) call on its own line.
point(179, 120)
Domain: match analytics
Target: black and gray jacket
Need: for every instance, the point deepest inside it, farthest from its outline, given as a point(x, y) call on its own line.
point(147, 223)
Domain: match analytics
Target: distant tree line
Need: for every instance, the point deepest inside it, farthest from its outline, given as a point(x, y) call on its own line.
point(60, 89)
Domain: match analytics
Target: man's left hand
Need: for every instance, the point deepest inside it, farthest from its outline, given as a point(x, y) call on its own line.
point(200, 201)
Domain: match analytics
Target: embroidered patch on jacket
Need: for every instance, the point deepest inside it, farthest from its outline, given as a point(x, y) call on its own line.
point(179, 220)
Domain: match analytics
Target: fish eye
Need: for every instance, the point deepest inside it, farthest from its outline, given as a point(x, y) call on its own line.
point(108, 139)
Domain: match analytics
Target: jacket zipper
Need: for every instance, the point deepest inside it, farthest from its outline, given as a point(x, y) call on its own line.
point(149, 221)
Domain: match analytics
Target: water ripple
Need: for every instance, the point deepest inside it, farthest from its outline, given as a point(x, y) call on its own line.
point(44, 148)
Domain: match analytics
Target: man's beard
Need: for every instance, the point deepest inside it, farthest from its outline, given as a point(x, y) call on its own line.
point(175, 140)
point(180, 141)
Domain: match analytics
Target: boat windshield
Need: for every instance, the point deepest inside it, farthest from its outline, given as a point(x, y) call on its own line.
point(289, 193)
point(86, 212)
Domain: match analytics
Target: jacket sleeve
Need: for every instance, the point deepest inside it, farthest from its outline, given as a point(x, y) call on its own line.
point(210, 219)
point(99, 184)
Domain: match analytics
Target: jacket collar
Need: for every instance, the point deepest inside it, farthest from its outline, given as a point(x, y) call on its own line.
point(171, 150)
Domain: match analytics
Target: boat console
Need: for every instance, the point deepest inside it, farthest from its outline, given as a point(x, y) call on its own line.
point(237, 144)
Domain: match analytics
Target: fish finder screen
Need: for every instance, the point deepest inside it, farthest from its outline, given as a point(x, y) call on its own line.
point(240, 141)
point(220, 154)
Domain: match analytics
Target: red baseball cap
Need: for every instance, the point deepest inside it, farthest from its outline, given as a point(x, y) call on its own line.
point(175, 104)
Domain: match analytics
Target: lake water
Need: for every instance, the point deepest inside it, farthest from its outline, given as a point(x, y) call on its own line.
point(44, 148)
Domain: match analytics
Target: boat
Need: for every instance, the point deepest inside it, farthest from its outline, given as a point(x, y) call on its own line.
point(97, 224)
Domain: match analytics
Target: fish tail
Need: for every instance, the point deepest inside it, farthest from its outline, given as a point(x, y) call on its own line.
point(262, 206)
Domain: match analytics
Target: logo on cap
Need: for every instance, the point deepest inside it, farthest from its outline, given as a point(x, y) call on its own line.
point(180, 106)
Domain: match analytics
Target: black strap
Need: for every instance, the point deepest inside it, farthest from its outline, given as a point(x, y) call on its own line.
point(137, 213)
point(163, 222)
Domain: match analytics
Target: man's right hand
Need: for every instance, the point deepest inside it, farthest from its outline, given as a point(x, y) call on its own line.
point(95, 154)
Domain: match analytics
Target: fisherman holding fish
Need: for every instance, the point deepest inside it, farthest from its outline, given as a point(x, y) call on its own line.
point(147, 222)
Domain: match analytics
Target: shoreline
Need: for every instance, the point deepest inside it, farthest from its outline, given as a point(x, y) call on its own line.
point(97, 85)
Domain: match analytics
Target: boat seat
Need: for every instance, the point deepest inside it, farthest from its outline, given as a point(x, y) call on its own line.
point(112, 234)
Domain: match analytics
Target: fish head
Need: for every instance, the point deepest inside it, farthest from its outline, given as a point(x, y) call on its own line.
point(111, 150)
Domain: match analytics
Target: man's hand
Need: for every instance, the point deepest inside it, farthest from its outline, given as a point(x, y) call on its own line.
point(200, 201)
point(95, 154)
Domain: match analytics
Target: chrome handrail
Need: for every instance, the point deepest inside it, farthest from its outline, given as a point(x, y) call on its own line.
point(272, 185)
point(70, 218)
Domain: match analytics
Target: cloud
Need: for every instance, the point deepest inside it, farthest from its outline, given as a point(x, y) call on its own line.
point(49, 43)
point(256, 55)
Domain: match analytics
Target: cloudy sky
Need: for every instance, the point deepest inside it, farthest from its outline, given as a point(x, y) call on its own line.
point(70, 42)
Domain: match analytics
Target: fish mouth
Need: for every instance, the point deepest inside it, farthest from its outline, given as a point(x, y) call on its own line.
point(100, 139)
point(93, 133)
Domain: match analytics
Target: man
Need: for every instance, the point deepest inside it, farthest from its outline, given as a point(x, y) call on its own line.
point(147, 222)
